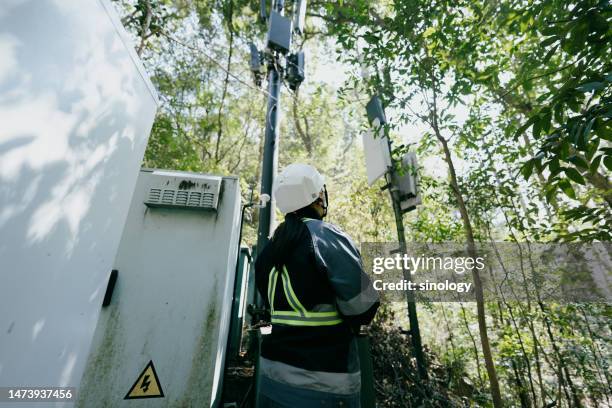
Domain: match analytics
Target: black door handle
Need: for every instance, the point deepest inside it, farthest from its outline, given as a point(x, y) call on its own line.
point(110, 287)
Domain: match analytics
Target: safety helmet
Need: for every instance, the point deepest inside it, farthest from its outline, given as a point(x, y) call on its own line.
point(297, 186)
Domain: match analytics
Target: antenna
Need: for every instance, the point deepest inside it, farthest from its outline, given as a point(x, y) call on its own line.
point(295, 70)
point(375, 111)
point(263, 13)
point(255, 63)
point(279, 33)
point(299, 18)
point(277, 46)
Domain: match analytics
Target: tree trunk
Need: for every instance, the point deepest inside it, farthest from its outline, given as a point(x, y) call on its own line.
point(223, 95)
point(563, 369)
point(475, 348)
point(597, 355)
point(469, 235)
point(303, 134)
point(146, 23)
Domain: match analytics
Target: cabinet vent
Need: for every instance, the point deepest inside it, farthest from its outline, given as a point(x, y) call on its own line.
point(183, 190)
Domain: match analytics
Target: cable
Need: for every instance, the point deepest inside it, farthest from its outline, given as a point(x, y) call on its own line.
point(198, 50)
point(171, 38)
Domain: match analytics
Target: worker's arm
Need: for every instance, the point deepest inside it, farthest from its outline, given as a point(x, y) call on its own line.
point(338, 256)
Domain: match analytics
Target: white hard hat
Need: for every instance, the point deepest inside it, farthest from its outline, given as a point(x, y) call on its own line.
point(297, 186)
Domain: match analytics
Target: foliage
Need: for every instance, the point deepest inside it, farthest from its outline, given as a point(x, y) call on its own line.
point(515, 95)
point(572, 125)
point(395, 380)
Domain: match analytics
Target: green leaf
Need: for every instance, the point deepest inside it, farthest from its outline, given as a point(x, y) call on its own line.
point(370, 38)
point(574, 104)
point(546, 118)
point(578, 36)
point(429, 32)
point(553, 29)
point(524, 127)
point(527, 169)
point(592, 148)
point(550, 53)
point(567, 188)
point(587, 129)
point(578, 161)
point(578, 139)
point(590, 86)
point(584, 134)
point(537, 128)
point(595, 164)
point(554, 167)
point(608, 162)
point(574, 175)
point(550, 193)
point(548, 41)
point(559, 112)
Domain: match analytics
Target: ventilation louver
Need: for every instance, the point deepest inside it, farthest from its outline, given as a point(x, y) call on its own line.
point(183, 190)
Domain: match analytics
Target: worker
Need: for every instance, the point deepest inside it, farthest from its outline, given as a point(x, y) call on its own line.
point(312, 279)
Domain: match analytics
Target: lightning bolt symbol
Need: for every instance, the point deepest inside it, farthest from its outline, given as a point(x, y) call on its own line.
point(144, 386)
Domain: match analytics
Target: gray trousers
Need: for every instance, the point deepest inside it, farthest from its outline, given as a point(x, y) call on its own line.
point(273, 394)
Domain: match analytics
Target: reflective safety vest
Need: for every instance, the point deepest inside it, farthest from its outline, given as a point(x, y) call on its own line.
point(299, 316)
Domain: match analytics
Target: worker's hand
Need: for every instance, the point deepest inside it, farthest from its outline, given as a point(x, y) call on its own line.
point(260, 324)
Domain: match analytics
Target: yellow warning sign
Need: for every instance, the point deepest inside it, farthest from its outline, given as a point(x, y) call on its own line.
point(147, 385)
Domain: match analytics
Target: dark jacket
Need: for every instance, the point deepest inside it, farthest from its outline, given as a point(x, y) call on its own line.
point(325, 270)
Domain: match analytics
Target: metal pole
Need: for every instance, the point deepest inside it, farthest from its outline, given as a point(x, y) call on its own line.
point(415, 332)
point(368, 394)
point(268, 172)
point(270, 155)
point(266, 214)
point(269, 165)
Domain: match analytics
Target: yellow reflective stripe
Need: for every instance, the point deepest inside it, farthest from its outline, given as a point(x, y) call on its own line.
point(292, 318)
point(272, 277)
point(308, 314)
point(293, 302)
point(297, 322)
point(280, 316)
point(290, 294)
point(299, 316)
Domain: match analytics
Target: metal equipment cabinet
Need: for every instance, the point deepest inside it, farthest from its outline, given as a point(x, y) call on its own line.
point(173, 296)
point(76, 110)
